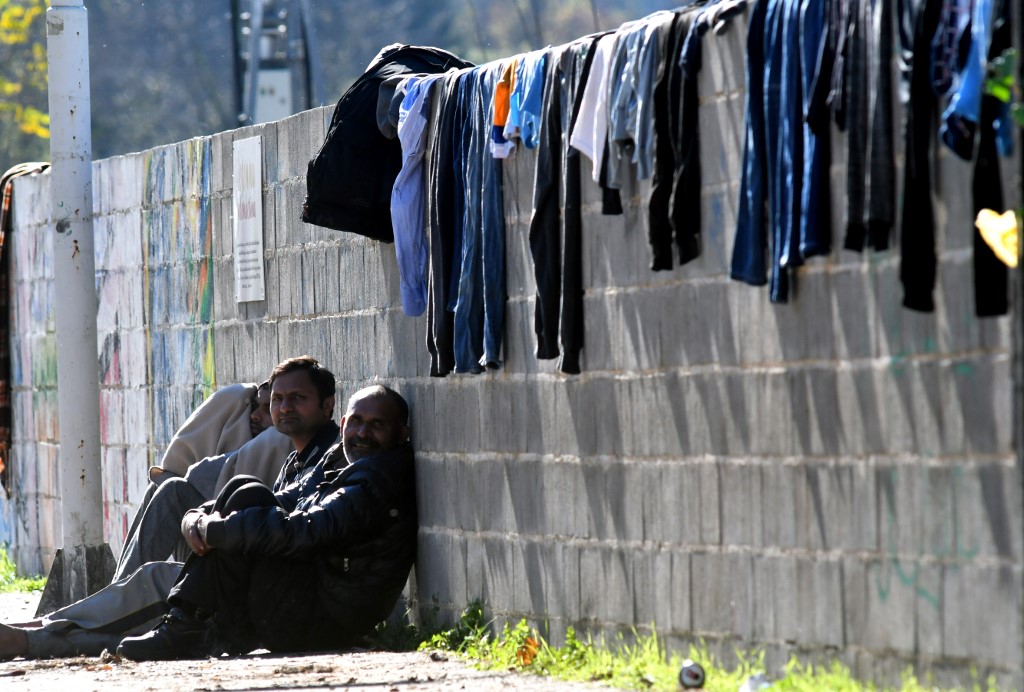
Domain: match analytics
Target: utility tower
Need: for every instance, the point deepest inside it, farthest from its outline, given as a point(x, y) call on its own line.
point(277, 72)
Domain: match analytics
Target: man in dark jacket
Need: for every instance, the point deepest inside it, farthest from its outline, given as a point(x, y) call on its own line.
point(310, 568)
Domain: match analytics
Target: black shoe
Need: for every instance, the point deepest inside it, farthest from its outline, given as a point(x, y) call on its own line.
point(178, 636)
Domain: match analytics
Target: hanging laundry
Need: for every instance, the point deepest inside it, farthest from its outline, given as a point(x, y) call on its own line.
point(973, 126)
point(627, 79)
point(407, 200)
point(671, 108)
point(871, 167)
point(954, 18)
point(349, 180)
point(441, 220)
point(590, 129)
point(960, 119)
point(501, 147)
point(526, 99)
point(556, 230)
point(479, 262)
point(917, 227)
point(685, 203)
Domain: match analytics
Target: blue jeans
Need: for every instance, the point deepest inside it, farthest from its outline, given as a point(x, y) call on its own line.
point(478, 290)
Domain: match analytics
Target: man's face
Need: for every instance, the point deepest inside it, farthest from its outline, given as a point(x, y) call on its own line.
point(371, 425)
point(259, 419)
point(296, 408)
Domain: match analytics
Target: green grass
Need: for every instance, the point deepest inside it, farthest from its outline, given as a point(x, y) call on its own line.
point(11, 582)
point(641, 663)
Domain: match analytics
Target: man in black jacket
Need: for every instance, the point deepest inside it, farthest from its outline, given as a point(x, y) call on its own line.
point(310, 568)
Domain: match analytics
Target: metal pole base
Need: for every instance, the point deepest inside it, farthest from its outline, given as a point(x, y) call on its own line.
point(76, 573)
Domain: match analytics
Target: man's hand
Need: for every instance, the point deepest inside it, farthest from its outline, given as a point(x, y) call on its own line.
point(193, 528)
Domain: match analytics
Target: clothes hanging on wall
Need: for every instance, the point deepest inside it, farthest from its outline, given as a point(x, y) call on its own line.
point(962, 125)
point(628, 100)
point(556, 224)
point(350, 179)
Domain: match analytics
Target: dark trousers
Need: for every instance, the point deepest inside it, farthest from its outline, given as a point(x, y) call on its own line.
point(257, 601)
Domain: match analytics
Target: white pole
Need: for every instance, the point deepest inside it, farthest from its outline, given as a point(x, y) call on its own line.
point(67, 41)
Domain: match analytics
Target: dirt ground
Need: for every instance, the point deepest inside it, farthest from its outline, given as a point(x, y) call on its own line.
point(370, 670)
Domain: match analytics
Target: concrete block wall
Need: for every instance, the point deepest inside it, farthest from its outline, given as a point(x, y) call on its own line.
point(833, 477)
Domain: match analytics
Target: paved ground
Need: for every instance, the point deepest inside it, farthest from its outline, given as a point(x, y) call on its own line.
point(362, 670)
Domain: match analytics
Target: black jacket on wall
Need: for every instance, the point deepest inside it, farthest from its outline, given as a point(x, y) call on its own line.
point(349, 181)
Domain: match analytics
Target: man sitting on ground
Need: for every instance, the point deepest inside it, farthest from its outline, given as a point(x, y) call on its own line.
point(155, 532)
point(311, 568)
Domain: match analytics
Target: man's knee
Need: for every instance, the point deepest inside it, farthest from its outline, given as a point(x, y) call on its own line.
point(249, 494)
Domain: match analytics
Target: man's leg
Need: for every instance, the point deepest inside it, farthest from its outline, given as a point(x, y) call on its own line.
point(99, 621)
point(210, 587)
point(156, 531)
point(129, 606)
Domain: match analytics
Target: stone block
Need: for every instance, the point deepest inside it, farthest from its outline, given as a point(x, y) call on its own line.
point(742, 504)
point(489, 570)
point(442, 576)
point(819, 605)
point(606, 584)
point(615, 251)
point(520, 276)
point(710, 490)
point(431, 490)
point(518, 499)
point(880, 600)
point(971, 595)
point(299, 137)
point(725, 604)
point(672, 506)
point(721, 121)
point(980, 507)
point(653, 586)
point(776, 599)
point(532, 584)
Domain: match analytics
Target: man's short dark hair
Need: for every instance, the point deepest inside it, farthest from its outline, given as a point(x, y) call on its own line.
point(323, 379)
point(379, 390)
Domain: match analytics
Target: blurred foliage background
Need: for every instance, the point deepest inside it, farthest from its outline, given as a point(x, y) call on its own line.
point(162, 71)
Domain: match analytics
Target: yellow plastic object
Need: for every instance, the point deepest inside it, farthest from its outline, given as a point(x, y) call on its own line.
point(1000, 233)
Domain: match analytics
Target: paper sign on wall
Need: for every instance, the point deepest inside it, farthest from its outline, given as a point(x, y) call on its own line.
point(247, 202)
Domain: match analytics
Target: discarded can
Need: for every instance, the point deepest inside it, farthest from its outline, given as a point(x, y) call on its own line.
point(691, 676)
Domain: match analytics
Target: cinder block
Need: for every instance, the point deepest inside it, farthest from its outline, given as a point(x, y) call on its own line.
point(489, 570)
point(982, 502)
point(710, 490)
point(431, 491)
point(954, 211)
point(289, 196)
point(672, 504)
point(527, 503)
point(819, 611)
point(725, 603)
point(721, 120)
point(742, 504)
point(533, 584)
point(614, 497)
point(776, 599)
point(442, 576)
point(615, 251)
point(299, 137)
point(612, 417)
point(970, 595)
point(496, 433)
point(879, 598)
point(653, 586)
point(606, 584)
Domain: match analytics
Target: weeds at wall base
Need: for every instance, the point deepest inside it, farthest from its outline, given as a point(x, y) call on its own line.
point(642, 663)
